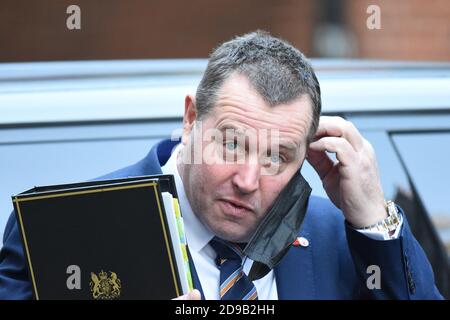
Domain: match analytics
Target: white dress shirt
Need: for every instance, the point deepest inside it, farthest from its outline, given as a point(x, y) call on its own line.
point(203, 255)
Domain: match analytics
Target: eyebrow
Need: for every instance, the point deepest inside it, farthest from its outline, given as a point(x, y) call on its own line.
point(231, 127)
point(289, 147)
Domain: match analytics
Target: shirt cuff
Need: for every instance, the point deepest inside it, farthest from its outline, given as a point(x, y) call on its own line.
point(383, 235)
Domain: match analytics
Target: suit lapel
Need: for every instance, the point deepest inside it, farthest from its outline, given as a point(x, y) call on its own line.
point(295, 274)
point(157, 157)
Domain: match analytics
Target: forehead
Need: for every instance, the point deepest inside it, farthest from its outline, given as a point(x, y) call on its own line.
point(238, 104)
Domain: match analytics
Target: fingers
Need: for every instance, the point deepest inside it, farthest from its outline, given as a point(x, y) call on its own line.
point(343, 149)
point(192, 295)
point(339, 127)
point(320, 161)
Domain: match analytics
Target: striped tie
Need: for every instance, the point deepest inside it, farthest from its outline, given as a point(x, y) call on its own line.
point(234, 284)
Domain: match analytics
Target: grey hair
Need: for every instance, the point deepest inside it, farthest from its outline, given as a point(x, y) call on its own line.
point(279, 73)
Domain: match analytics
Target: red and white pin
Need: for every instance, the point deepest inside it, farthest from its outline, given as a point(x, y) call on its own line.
point(301, 242)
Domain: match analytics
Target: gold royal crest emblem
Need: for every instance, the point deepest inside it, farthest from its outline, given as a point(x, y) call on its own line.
point(104, 287)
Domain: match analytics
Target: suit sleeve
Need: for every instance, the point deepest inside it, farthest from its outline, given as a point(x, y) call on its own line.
point(405, 272)
point(14, 281)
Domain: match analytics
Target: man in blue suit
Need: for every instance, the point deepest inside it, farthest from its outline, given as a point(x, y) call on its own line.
point(254, 120)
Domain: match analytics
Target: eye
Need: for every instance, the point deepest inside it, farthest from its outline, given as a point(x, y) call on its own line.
point(231, 145)
point(276, 158)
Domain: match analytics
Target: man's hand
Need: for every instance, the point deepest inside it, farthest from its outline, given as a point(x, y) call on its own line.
point(193, 295)
point(352, 183)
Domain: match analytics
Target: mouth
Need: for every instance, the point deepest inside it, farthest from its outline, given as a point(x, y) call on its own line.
point(235, 208)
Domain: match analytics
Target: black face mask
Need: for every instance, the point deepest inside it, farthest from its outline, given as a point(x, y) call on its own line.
point(279, 228)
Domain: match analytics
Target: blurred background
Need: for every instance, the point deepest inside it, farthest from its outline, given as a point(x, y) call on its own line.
point(77, 104)
point(144, 29)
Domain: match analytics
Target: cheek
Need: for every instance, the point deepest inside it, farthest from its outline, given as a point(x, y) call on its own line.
point(211, 180)
point(270, 189)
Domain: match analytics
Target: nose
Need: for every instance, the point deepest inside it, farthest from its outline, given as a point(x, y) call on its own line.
point(246, 179)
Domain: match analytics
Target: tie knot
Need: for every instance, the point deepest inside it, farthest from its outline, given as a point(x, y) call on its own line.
point(226, 250)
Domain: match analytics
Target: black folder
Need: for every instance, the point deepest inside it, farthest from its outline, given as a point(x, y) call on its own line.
point(105, 239)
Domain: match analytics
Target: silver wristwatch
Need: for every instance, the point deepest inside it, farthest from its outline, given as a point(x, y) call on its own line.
point(390, 223)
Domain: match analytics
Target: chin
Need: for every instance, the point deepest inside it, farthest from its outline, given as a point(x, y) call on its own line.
point(233, 235)
point(229, 230)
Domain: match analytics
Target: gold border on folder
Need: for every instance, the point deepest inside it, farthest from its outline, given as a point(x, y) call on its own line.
point(27, 250)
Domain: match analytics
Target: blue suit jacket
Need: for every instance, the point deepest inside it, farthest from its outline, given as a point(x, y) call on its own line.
point(333, 266)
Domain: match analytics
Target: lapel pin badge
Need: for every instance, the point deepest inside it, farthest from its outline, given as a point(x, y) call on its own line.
point(301, 242)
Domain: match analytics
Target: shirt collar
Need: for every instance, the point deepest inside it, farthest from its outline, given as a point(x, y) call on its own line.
point(197, 234)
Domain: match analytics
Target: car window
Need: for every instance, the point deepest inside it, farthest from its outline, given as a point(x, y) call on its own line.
point(382, 131)
point(426, 157)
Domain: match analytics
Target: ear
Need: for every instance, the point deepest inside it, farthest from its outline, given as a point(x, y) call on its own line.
point(190, 115)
